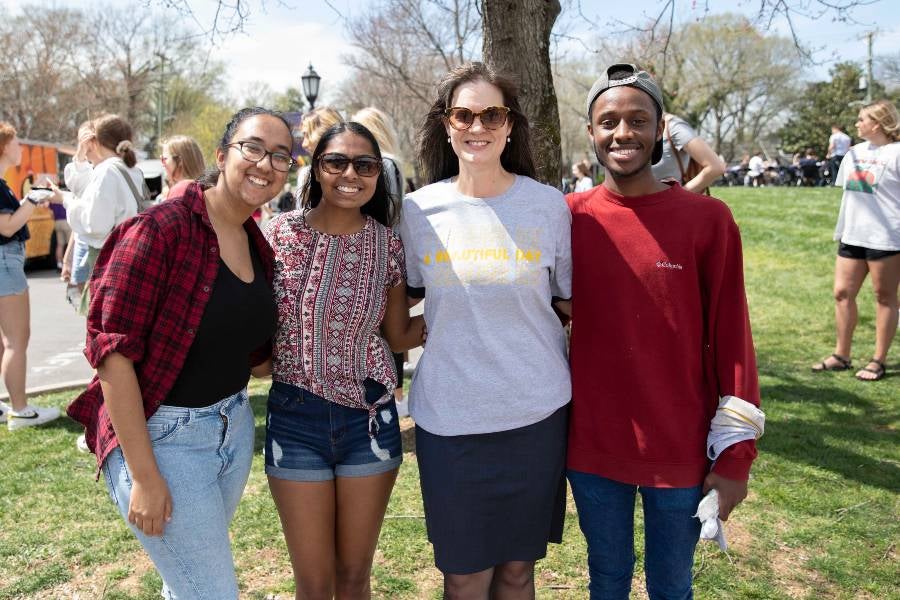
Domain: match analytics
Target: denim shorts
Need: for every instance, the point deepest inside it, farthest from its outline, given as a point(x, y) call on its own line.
point(309, 438)
point(12, 269)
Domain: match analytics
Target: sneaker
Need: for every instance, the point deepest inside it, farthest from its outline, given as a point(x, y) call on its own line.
point(81, 444)
point(4, 410)
point(30, 416)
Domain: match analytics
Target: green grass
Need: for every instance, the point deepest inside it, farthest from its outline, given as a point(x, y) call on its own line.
point(820, 522)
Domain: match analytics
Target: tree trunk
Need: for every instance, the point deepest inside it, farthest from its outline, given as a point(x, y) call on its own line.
point(517, 42)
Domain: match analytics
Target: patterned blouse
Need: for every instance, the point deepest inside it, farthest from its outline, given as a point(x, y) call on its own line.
point(331, 293)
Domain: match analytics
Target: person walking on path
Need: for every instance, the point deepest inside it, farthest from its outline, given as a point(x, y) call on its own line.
point(868, 235)
point(181, 309)
point(15, 303)
point(488, 248)
point(652, 261)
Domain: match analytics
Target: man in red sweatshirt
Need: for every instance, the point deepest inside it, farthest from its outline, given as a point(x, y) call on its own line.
point(660, 333)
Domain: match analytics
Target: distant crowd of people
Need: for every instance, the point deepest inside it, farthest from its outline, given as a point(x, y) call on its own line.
point(655, 392)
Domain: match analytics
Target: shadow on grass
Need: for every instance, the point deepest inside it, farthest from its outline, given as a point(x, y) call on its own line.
point(810, 438)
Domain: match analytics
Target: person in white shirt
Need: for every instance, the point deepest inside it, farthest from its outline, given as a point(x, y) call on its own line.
point(108, 198)
point(838, 145)
point(582, 173)
point(755, 175)
point(868, 232)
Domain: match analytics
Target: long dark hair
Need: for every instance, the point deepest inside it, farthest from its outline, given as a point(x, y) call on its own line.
point(382, 207)
point(211, 176)
point(436, 156)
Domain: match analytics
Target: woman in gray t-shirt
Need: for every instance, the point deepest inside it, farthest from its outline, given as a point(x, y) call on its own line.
point(488, 247)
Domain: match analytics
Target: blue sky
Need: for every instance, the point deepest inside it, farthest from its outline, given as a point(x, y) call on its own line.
point(284, 36)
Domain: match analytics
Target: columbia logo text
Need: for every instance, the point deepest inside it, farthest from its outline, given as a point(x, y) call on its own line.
point(664, 264)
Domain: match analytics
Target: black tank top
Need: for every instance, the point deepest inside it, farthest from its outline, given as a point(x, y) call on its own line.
point(8, 205)
point(238, 319)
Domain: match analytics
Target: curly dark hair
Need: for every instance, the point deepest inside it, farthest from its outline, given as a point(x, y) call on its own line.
point(436, 156)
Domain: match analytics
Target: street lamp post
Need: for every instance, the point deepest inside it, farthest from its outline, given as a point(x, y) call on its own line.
point(310, 81)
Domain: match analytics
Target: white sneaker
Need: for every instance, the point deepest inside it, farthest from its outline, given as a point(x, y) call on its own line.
point(4, 410)
point(31, 416)
point(81, 444)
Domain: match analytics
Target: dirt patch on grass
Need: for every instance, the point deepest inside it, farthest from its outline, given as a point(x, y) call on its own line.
point(408, 434)
point(88, 587)
point(264, 569)
point(791, 574)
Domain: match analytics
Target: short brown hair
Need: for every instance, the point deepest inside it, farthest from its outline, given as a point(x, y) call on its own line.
point(7, 133)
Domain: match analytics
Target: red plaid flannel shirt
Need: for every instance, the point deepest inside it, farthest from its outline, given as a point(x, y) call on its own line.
point(149, 289)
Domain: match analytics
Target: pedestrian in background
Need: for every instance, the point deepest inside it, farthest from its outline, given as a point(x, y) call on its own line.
point(182, 159)
point(838, 146)
point(868, 232)
point(681, 145)
point(333, 445)
point(581, 171)
point(76, 176)
point(181, 309)
point(110, 197)
point(15, 308)
point(488, 248)
point(313, 126)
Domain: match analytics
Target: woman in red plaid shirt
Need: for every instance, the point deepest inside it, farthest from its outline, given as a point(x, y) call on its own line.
point(181, 309)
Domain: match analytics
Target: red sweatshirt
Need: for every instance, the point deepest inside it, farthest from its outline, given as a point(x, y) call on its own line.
point(660, 331)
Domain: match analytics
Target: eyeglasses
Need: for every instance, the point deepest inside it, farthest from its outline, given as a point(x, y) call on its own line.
point(165, 158)
point(461, 118)
point(336, 164)
point(255, 153)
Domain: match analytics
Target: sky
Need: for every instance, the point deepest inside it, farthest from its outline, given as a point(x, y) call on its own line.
point(282, 37)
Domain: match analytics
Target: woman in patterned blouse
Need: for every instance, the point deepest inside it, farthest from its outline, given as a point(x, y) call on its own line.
point(332, 437)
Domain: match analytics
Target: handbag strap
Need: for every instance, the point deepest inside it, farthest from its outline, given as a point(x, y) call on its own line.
point(138, 197)
point(675, 152)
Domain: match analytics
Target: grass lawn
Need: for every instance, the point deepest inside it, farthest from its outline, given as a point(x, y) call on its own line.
point(821, 520)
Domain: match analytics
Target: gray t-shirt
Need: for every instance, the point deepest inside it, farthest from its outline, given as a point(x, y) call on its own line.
point(682, 133)
point(495, 359)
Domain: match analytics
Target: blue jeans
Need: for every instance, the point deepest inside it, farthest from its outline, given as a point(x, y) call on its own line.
point(81, 268)
point(204, 454)
point(606, 516)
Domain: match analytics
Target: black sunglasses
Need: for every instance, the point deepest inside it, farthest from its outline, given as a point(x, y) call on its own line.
point(336, 164)
point(461, 118)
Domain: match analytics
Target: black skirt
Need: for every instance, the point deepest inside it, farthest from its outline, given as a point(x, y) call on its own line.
point(495, 497)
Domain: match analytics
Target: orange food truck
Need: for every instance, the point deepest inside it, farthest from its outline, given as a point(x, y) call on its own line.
point(39, 160)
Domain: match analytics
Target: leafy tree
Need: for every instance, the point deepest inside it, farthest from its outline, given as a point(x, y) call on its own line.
point(822, 104)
